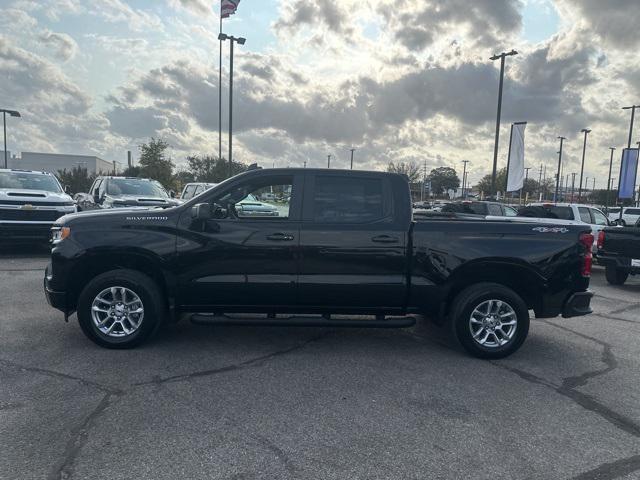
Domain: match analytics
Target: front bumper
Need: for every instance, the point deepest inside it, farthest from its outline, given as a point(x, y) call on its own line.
point(577, 304)
point(55, 298)
point(16, 231)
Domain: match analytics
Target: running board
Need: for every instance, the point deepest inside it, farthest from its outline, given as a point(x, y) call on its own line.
point(400, 322)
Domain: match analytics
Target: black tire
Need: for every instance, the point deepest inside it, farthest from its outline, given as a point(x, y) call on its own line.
point(147, 291)
point(474, 296)
point(615, 276)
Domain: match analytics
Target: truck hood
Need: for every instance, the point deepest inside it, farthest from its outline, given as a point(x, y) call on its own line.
point(33, 196)
point(116, 216)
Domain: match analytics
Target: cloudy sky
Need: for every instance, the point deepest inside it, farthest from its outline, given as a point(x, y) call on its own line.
point(404, 80)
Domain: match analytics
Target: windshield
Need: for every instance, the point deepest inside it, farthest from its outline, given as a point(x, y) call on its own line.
point(29, 181)
point(135, 186)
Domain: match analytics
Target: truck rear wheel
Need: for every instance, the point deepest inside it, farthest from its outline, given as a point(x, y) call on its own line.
point(120, 309)
point(615, 276)
point(489, 320)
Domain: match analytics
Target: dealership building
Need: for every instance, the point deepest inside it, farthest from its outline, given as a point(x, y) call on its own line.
point(53, 162)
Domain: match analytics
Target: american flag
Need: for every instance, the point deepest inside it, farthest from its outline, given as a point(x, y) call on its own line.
point(228, 7)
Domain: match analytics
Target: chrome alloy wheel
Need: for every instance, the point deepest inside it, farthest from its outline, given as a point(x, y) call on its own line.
point(117, 311)
point(493, 323)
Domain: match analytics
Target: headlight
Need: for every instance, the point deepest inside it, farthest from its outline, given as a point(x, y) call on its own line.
point(59, 233)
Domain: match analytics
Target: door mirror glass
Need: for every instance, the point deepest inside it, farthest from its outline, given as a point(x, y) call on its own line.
point(201, 211)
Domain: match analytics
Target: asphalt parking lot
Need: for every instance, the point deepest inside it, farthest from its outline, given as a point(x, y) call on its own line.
point(233, 402)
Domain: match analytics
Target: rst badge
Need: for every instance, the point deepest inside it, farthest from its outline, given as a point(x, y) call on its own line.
point(550, 229)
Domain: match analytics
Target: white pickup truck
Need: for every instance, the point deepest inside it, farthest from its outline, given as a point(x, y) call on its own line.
point(562, 214)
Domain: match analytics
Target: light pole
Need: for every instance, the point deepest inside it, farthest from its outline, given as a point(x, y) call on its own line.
point(633, 112)
point(555, 197)
point(352, 150)
point(12, 113)
point(329, 161)
point(573, 184)
point(464, 175)
point(239, 41)
point(500, 56)
point(584, 148)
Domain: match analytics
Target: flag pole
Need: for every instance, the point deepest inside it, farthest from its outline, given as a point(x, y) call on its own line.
point(220, 91)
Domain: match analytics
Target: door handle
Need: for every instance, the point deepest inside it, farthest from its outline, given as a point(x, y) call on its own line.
point(280, 237)
point(385, 239)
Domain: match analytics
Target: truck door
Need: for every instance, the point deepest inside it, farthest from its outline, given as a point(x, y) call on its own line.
point(242, 257)
point(352, 246)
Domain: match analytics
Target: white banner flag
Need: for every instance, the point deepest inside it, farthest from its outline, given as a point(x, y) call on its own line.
point(515, 174)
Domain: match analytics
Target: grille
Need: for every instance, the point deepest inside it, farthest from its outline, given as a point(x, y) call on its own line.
point(30, 215)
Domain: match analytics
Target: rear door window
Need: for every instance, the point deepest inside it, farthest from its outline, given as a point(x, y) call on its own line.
point(494, 209)
point(348, 200)
point(585, 215)
point(632, 211)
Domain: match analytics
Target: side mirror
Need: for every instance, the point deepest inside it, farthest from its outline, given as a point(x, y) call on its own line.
point(201, 211)
point(96, 196)
point(172, 194)
point(67, 189)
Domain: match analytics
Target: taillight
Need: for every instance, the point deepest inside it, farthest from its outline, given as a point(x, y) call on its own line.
point(600, 239)
point(586, 239)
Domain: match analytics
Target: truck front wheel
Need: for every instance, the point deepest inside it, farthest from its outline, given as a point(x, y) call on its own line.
point(489, 320)
point(615, 276)
point(120, 309)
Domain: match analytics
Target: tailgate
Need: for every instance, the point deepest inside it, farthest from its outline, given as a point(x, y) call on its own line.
point(624, 241)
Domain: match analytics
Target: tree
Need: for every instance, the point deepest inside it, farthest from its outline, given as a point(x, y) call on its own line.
point(132, 171)
point(77, 179)
point(211, 169)
point(484, 185)
point(154, 164)
point(410, 169)
point(443, 179)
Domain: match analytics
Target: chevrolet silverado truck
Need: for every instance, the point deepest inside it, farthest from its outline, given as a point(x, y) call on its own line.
point(30, 202)
point(344, 242)
point(619, 252)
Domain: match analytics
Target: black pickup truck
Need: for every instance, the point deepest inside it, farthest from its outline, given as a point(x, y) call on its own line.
point(619, 252)
point(344, 242)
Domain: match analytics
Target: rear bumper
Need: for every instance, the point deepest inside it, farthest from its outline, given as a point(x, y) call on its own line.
point(617, 262)
point(577, 304)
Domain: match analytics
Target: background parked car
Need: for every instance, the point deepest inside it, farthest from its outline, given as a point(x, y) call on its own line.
point(630, 215)
point(480, 208)
point(118, 192)
point(30, 202)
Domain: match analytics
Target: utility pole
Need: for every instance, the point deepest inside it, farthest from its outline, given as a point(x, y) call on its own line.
point(220, 94)
point(12, 113)
point(352, 150)
point(526, 179)
point(633, 112)
point(500, 56)
point(464, 174)
point(584, 148)
point(555, 198)
point(329, 161)
point(239, 41)
point(540, 180)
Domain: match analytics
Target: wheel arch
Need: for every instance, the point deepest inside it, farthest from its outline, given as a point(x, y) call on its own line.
point(94, 263)
point(520, 278)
